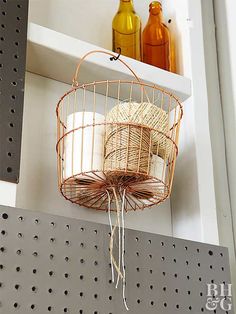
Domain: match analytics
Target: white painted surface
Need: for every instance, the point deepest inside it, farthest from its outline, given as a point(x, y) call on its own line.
point(194, 201)
point(226, 44)
point(38, 189)
point(8, 193)
point(55, 55)
point(226, 49)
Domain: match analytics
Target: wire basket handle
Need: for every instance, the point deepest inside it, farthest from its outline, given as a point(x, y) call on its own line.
point(75, 82)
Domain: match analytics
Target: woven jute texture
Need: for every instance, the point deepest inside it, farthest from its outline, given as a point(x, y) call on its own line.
point(128, 149)
point(145, 114)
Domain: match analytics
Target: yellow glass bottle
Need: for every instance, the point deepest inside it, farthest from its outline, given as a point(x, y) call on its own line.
point(156, 39)
point(126, 30)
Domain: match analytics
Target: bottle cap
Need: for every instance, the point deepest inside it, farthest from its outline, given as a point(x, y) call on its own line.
point(155, 7)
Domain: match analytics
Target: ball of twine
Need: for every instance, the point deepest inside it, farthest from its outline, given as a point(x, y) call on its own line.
point(145, 114)
point(127, 148)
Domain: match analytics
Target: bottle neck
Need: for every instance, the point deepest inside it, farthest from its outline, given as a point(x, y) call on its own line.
point(155, 18)
point(126, 5)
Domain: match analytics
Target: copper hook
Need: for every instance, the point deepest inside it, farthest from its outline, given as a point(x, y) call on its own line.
point(116, 58)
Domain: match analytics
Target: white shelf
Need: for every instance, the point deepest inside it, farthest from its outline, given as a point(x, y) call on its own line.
point(56, 55)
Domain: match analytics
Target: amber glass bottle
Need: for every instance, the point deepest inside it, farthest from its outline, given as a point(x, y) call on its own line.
point(126, 28)
point(156, 39)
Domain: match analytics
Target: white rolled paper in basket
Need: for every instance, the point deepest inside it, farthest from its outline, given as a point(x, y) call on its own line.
point(158, 168)
point(146, 189)
point(84, 147)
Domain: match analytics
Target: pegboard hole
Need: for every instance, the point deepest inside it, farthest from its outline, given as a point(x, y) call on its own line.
point(34, 271)
point(19, 6)
point(66, 292)
point(15, 70)
point(19, 252)
point(18, 269)
point(49, 309)
point(67, 259)
point(12, 110)
point(50, 290)
point(4, 215)
point(32, 306)
point(65, 310)
point(16, 56)
point(35, 254)
point(51, 256)
point(81, 277)
point(1, 267)
point(51, 273)
point(66, 275)
point(165, 304)
point(2, 249)
point(3, 25)
point(16, 43)
point(16, 305)
point(11, 125)
point(81, 294)
point(152, 303)
point(17, 287)
point(95, 279)
point(9, 154)
point(13, 97)
point(210, 253)
point(3, 232)
point(138, 301)
point(34, 289)
point(18, 18)
point(17, 30)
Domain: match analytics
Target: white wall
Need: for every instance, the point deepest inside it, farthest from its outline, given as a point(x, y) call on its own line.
point(226, 44)
point(38, 188)
point(226, 49)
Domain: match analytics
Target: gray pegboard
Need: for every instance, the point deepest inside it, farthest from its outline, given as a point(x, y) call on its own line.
point(13, 37)
point(53, 264)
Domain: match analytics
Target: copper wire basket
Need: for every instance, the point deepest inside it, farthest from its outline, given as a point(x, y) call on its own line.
point(117, 134)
